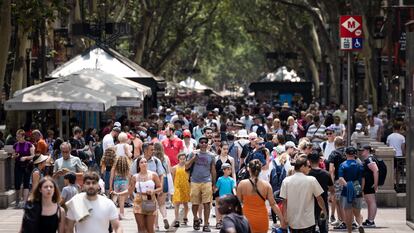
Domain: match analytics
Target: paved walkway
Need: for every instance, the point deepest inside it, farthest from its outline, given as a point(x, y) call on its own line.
point(388, 220)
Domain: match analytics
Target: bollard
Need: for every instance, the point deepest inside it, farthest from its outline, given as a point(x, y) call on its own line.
point(6, 196)
point(386, 195)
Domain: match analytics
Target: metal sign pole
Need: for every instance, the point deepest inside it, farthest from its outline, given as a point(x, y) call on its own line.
point(348, 86)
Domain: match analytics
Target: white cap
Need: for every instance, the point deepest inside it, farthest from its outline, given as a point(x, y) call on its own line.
point(216, 110)
point(358, 126)
point(290, 144)
point(117, 124)
point(40, 159)
point(242, 134)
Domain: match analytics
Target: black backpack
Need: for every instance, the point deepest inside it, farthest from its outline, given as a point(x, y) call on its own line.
point(382, 170)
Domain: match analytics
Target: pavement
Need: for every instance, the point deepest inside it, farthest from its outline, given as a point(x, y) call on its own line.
point(388, 220)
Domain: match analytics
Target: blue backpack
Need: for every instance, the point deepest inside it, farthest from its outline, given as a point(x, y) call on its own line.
point(277, 175)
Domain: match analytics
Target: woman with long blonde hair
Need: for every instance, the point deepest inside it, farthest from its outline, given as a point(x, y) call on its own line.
point(168, 187)
point(118, 183)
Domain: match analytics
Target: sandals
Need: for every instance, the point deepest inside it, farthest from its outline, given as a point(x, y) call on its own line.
point(176, 224)
point(206, 229)
point(196, 224)
point(219, 225)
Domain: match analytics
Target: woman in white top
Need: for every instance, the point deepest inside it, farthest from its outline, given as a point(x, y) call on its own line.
point(145, 184)
point(123, 148)
point(189, 143)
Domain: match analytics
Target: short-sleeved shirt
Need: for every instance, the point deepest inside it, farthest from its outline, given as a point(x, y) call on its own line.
point(225, 185)
point(300, 191)
point(73, 163)
point(314, 130)
point(41, 147)
point(350, 170)
point(171, 148)
point(337, 157)
point(107, 141)
point(201, 172)
point(103, 211)
point(154, 165)
point(325, 180)
point(23, 149)
point(395, 140)
point(235, 221)
point(68, 192)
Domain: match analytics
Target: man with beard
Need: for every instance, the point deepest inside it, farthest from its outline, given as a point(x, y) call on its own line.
point(100, 210)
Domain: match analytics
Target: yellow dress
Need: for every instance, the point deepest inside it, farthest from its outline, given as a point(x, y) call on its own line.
point(181, 186)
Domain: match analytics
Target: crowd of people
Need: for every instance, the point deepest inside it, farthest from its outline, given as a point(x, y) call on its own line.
point(241, 163)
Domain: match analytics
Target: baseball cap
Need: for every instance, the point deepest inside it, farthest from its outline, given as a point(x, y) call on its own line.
point(117, 124)
point(350, 150)
point(225, 165)
point(40, 159)
point(330, 128)
point(186, 133)
point(358, 126)
point(290, 144)
point(116, 129)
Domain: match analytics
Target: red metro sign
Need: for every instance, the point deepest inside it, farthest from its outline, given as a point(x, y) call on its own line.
point(351, 32)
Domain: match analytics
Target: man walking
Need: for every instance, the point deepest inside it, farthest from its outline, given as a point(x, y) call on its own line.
point(172, 145)
point(325, 181)
point(298, 192)
point(202, 173)
point(99, 210)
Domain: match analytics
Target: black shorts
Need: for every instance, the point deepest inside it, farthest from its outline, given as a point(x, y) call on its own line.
point(21, 175)
point(369, 190)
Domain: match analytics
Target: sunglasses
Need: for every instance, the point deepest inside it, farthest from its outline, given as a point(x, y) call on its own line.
point(203, 142)
point(329, 133)
point(252, 139)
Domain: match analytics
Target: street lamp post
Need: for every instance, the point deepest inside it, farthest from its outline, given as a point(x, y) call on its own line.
point(379, 45)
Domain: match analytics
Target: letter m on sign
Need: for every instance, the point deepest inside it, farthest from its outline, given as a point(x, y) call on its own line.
point(351, 26)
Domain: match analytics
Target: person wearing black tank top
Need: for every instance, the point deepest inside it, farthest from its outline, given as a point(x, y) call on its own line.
point(42, 212)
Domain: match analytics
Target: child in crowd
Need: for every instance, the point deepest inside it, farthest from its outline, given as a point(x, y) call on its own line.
point(181, 189)
point(106, 166)
point(118, 183)
point(225, 185)
point(70, 189)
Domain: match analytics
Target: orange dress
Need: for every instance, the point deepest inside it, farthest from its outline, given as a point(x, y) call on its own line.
point(254, 208)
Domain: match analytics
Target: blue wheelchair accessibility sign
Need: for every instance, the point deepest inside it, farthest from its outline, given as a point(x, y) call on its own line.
point(357, 43)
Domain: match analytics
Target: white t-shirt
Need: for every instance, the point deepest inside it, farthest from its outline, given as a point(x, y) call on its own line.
point(330, 146)
point(339, 129)
point(342, 115)
point(107, 141)
point(395, 140)
point(373, 131)
point(103, 211)
point(120, 150)
point(300, 191)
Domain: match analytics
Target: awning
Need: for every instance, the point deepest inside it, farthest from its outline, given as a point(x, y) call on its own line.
point(59, 94)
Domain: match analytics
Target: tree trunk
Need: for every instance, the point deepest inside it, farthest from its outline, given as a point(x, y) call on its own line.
point(142, 35)
point(313, 68)
point(15, 119)
point(5, 33)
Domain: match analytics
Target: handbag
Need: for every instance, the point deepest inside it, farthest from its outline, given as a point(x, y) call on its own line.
point(147, 205)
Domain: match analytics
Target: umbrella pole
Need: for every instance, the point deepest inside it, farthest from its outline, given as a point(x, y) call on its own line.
point(60, 123)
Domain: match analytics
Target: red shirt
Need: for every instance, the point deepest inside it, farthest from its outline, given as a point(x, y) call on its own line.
point(171, 148)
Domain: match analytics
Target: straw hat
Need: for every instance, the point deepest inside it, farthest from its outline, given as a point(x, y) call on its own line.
point(285, 105)
point(40, 159)
point(361, 109)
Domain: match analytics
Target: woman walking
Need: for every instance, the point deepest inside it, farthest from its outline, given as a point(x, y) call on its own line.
point(181, 189)
point(38, 170)
point(167, 183)
point(23, 154)
point(42, 212)
point(145, 184)
point(118, 183)
point(253, 193)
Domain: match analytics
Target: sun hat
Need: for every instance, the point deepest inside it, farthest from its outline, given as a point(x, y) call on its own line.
point(40, 159)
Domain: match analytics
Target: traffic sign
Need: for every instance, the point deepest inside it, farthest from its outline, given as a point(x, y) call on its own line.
point(350, 32)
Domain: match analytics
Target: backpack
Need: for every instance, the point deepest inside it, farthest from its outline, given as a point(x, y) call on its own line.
point(243, 174)
point(382, 170)
point(277, 175)
point(234, 153)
